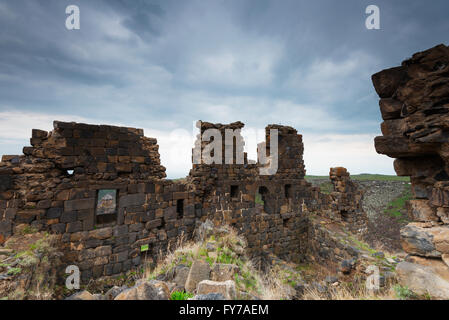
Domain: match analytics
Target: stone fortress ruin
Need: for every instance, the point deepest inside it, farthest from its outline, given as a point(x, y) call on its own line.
point(103, 190)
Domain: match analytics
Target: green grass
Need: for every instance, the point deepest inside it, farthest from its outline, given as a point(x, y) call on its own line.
point(28, 230)
point(403, 293)
point(14, 271)
point(367, 177)
point(360, 244)
point(395, 207)
point(258, 199)
point(326, 187)
point(180, 295)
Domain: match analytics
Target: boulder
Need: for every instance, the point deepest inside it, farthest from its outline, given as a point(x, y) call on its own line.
point(443, 214)
point(418, 240)
point(387, 81)
point(226, 288)
point(346, 266)
point(437, 265)
point(390, 108)
point(422, 280)
point(223, 272)
point(209, 296)
point(445, 258)
point(82, 295)
point(145, 290)
point(181, 275)
point(114, 292)
point(199, 271)
point(420, 210)
point(331, 279)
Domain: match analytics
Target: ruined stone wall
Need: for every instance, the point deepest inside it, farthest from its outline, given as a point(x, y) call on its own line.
point(415, 107)
point(346, 203)
point(37, 189)
point(67, 180)
point(267, 209)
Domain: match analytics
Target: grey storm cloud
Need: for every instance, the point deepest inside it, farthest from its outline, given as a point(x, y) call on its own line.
point(164, 64)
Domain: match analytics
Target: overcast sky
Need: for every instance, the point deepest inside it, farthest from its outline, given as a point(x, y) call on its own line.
point(161, 65)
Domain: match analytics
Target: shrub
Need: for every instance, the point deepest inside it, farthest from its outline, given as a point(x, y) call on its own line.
point(180, 295)
point(403, 293)
point(14, 271)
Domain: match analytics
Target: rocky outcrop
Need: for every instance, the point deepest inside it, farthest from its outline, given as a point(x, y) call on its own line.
point(422, 280)
point(415, 108)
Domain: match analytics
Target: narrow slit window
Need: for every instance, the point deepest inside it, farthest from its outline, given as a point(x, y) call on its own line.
point(180, 208)
point(288, 191)
point(234, 191)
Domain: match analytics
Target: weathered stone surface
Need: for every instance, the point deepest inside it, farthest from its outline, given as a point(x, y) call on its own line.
point(347, 200)
point(346, 266)
point(387, 81)
point(209, 296)
point(145, 290)
point(132, 200)
point(420, 210)
point(422, 280)
point(114, 292)
point(443, 214)
point(59, 179)
point(445, 257)
point(417, 136)
point(181, 275)
point(419, 241)
point(82, 295)
point(102, 233)
point(73, 205)
point(390, 108)
point(438, 266)
point(226, 288)
point(199, 271)
point(223, 272)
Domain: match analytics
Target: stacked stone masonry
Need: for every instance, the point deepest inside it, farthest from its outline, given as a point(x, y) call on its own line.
point(347, 200)
point(415, 108)
point(55, 186)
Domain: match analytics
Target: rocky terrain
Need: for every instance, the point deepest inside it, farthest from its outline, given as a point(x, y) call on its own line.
point(414, 106)
point(384, 201)
point(231, 232)
point(214, 266)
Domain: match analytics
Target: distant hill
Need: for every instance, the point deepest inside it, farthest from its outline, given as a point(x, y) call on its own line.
point(367, 176)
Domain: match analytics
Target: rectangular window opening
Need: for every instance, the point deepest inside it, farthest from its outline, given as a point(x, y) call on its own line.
point(288, 191)
point(106, 209)
point(234, 191)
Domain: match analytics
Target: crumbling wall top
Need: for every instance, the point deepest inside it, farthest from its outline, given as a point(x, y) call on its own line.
point(92, 149)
